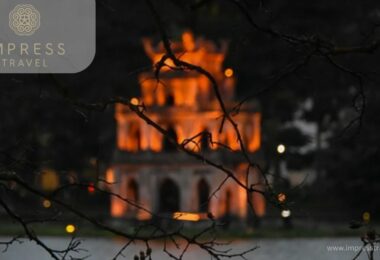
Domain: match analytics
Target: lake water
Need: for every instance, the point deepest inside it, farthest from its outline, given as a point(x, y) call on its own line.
point(272, 249)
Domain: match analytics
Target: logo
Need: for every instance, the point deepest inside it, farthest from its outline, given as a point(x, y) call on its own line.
point(34, 36)
point(24, 20)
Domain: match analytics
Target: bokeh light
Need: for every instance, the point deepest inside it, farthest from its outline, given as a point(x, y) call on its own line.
point(366, 217)
point(135, 101)
point(229, 73)
point(46, 204)
point(91, 188)
point(70, 228)
point(281, 197)
point(281, 148)
point(285, 213)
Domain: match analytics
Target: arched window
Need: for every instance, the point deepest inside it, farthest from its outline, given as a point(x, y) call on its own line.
point(228, 202)
point(132, 194)
point(205, 141)
point(203, 196)
point(169, 197)
point(170, 100)
point(168, 145)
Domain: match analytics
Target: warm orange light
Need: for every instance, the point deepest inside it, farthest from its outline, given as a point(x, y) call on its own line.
point(117, 208)
point(110, 178)
point(134, 137)
point(259, 205)
point(255, 139)
point(185, 216)
point(281, 197)
point(190, 91)
point(144, 215)
point(46, 204)
point(188, 41)
point(70, 228)
point(232, 140)
point(156, 141)
point(229, 73)
point(135, 101)
point(160, 94)
point(49, 180)
point(202, 53)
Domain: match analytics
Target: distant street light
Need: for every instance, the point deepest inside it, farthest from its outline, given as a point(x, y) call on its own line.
point(286, 217)
point(229, 73)
point(285, 213)
point(46, 204)
point(70, 228)
point(281, 197)
point(366, 217)
point(281, 148)
point(135, 101)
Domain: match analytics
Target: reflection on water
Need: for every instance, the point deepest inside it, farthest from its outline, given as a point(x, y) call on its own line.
point(273, 249)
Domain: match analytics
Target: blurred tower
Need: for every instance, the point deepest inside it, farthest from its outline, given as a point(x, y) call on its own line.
point(149, 170)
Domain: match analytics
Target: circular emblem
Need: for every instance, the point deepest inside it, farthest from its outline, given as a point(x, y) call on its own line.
point(24, 20)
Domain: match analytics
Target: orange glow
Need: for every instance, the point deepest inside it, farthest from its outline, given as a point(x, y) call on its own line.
point(49, 180)
point(156, 140)
point(144, 215)
point(258, 202)
point(184, 91)
point(147, 91)
point(184, 101)
point(255, 140)
point(161, 95)
point(242, 195)
point(144, 138)
point(110, 177)
point(180, 134)
point(232, 140)
point(122, 138)
point(135, 101)
point(46, 204)
point(186, 216)
point(281, 197)
point(134, 137)
point(117, 208)
point(207, 55)
point(188, 41)
point(229, 73)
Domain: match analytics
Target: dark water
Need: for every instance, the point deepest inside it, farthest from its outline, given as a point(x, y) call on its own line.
point(273, 249)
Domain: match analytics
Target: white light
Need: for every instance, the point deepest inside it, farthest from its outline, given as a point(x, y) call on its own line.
point(285, 213)
point(281, 148)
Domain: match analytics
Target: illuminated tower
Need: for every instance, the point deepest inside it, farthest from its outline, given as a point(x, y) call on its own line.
point(149, 170)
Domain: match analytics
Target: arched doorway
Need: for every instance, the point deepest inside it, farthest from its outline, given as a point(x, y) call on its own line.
point(169, 197)
point(205, 141)
point(226, 217)
point(132, 195)
point(228, 203)
point(203, 196)
point(170, 100)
